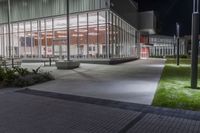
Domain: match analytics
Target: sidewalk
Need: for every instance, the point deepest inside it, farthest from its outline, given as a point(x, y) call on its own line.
point(134, 82)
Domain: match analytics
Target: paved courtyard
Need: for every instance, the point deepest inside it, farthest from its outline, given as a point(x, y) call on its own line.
point(134, 82)
point(62, 106)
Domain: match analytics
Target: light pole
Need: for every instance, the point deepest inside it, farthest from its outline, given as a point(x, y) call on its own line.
point(195, 43)
point(174, 52)
point(9, 36)
point(178, 43)
point(68, 33)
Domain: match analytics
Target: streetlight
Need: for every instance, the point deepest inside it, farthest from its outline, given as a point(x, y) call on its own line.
point(9, 36)
point(195, 43)
point(178, 44)
point(174, 46)
point(68, 32)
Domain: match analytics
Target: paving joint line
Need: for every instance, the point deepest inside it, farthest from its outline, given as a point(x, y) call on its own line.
point(132, 123)
point(114, 104)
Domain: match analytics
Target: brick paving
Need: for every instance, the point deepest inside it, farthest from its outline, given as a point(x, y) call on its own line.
point(61, 113)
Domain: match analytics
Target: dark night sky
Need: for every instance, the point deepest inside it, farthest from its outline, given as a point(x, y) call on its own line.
point(169, 12)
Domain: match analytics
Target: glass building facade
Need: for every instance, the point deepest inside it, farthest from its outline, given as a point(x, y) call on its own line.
point(165, 46)
point(38, 29)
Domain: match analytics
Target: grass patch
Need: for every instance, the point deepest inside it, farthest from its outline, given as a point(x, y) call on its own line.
point(174, 87)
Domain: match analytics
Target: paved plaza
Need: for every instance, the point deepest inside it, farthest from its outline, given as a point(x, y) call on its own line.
point(134, 82)
point(94, 99)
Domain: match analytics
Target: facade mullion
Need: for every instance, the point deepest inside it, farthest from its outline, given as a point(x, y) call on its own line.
point(3, 41)
point(53, 36)
point(45, 28)
point(128, 40)
point(39, 38)
point(4, 46)
point(121, 39)
point(108, 34)
point(115, 36)
point(124, 38)
point(31, 31)
point(12, 40)
point(18, 42)
point(112, 34)
point(25, 52)
point(87, 35)
point(118, 37)
point(127, 33)
point(78, 45)
point(98, 35)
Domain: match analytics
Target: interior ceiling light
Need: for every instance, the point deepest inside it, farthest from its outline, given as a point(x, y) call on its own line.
point(92, 34)
point(113, 32)
point(92, 26)
point(73, 25)
point(49, 33)
point(49, 37)
point(73, 28)
point(83, 27)
point(61, 32)
point(39, 38)
point(62, 36)
point(60, 22)
point(81, 30)
point(100, 29)
point(76, 35)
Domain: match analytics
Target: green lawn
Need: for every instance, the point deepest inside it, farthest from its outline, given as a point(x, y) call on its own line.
point(174, 88)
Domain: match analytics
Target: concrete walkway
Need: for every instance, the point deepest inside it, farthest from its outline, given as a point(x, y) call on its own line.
point(134, 82)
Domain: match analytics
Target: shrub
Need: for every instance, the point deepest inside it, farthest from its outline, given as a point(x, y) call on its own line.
point(181, 56)
point(170, 56)
point(2, 74)
point(48, 76)
point(21, 77)
point(156, 56)
point(33, 79)
point(24, 81)
point(9, 77)
point(184, 56)
point(36, 71)
point(21, 71)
